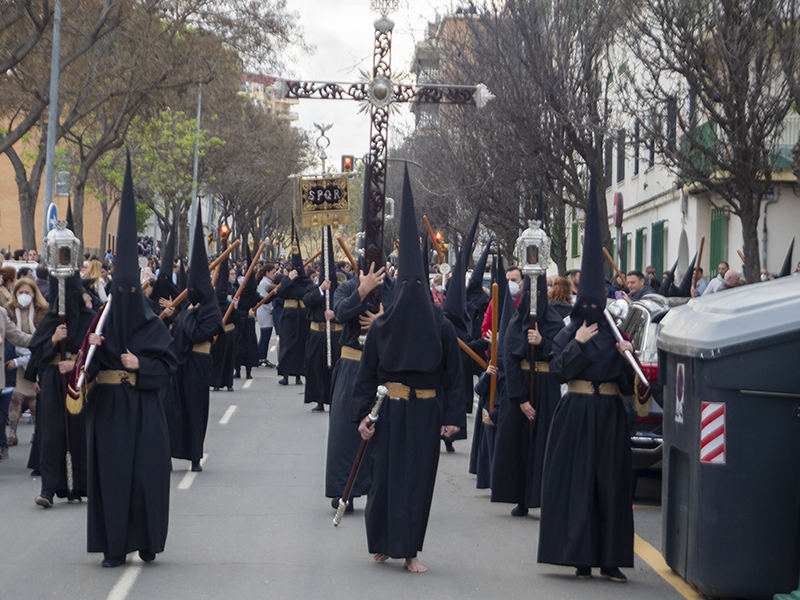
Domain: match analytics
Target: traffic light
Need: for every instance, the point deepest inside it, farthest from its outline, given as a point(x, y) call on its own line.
point(439, 237)
point(224, 230)
point(210, 237)
point(347, 164)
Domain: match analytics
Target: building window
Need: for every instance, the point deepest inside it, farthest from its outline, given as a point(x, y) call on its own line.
point(609, 162)
point(636, 148)
point(620, 155)
point(639, 256)
point(576, 246)
point(719, 240)
point(670, 125)
point(657, 243)
point(62, 183)
point(623, 260)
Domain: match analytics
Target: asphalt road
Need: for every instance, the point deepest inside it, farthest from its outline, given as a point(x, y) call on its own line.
point(255, 525)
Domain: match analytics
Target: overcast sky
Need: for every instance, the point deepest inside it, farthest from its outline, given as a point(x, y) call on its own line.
point(342, 33)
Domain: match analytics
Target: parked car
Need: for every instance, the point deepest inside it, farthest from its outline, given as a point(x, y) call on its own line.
point(641, 322)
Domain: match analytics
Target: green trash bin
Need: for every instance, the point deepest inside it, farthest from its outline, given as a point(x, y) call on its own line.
point(730, 366)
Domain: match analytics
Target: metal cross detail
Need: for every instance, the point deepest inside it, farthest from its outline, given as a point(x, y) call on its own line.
point(379, 94)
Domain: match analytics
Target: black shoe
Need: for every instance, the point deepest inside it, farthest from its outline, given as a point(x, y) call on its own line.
point(348, 508)
point(335, 503)
point(583, 572)
point(113, 561)
point(297, 380)
point(519, 511)
point(147, 556)
point(449, 446)
point(614, 574)
point(237, 375)
point(74, 499)
point(44, 501)
point(320, 407)
point(216, 389)
point(268, 364)
point(230, 388)
point(196, 466)
point(284, 381)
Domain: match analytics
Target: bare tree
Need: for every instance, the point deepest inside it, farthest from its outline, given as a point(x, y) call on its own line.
point(724, 60)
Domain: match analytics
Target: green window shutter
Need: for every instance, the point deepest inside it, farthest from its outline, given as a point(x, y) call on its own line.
point(626, 238)
point(657, 248)
point(576, 247)
point(639, 255)
point(719, 240)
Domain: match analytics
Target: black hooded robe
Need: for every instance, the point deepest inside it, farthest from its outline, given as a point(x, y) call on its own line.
point(343, 437)
point(406, 443)
point(294, 326)
point(193, 333)
point(223, 349)
point(586, 514)
point(128, 447)
point(50, 441)
point(483, 435)
point(318, 375)
point(520, 444)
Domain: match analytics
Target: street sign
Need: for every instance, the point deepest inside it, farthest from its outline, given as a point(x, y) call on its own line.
point(52, 216)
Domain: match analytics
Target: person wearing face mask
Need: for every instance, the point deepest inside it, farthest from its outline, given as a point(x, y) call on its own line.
point(437, 291)
point(8, 277)
point(586, 514)
point(514, 278)
point(25, 310)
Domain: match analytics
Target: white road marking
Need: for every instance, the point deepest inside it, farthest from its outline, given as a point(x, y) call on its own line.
point(188, 479)
point(229, 413)
point(247, 384)
point(123, 587)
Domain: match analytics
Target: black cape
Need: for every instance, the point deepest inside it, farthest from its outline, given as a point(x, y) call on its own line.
point(318, 374)
point(294, 327)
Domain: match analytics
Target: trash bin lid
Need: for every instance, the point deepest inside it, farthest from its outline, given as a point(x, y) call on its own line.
point(734, 320)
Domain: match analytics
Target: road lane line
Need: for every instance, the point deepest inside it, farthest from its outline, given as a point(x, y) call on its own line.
point(188, 479)
point(123, 587)
point(653, 558)
point(247, 384)
point(228, 413)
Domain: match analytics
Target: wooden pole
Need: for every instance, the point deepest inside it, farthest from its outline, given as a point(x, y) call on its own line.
point(271, 295)
point(620, 274)
point(353, 262)
point(433, 240)
point(246, 279)
point(471, 353)
point(696, 274)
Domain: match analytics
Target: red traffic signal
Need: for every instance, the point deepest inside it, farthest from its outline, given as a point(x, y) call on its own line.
point(347, 164)
point(224, 230)
point(438, 236)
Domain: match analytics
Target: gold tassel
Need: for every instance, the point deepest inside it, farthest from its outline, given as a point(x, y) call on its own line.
point(75, 405)
point(642, 405)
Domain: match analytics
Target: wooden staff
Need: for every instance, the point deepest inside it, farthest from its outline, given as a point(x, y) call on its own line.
point(620, 274)
point(434, 241)
point(211, 267)
point(739, 252)
point(696, 274)
point(352, 260)
point(495, 310)
point(471, 353)
point(246, 279)
point(271, 295)
point(214, 278)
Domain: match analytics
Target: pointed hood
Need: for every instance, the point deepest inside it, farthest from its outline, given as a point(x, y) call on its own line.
point(685, 289)
point(455, 302)
point(182, 278)
point(667, 283)
point(297, 258)
point(786, 269)
point(69, 219)
point(476, 278)
point(221, 285)
point(249, 296)
point(499, 272)
point(469, 242)
point(198, 280)
point(163, 286)
point(426, 255)
point(129, 317)
point(412, 311)
point(592, 288)
point(506, 312)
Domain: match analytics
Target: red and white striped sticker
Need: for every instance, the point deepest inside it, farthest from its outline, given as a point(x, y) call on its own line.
point(712, 433)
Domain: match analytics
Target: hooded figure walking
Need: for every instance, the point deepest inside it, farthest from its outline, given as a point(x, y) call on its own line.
point(586, 514)
point(294, 318)
point(413, 351)
point(192, 334)
point(127, 438)
point(222, 350)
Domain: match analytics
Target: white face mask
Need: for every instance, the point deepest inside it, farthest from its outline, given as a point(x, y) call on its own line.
point(764, 277)
point(513, 287)
point(439, 288)
point(24, 300)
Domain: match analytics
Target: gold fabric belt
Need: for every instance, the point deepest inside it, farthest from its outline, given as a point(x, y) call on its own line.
point(229, 327)
point(580, 386)
point(293, 304)
point(349, 353)
point(115, 378)
point(540, 366)
point(317, 326)
point(403, 392)
point(202, 348)
point(57, 358)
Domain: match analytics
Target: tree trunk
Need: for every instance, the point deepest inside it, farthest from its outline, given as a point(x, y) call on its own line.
point(558, 235)
point(749, 217)
point(28, 191)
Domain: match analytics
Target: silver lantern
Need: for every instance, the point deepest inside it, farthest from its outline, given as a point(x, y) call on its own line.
point(533, 256)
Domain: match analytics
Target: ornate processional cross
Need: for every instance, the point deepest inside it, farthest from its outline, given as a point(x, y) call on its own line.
point(380, 93)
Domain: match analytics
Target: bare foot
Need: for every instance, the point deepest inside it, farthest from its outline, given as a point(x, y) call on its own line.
point(413, 565)
point(380, 557)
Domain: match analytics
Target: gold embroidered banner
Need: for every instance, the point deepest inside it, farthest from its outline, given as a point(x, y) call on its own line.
point(325, 201)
